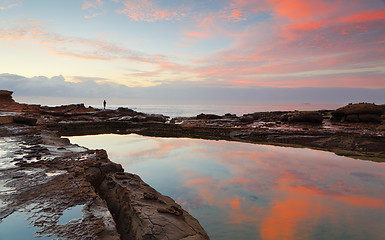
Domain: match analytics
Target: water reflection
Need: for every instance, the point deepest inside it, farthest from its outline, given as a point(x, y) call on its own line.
point(248, 191)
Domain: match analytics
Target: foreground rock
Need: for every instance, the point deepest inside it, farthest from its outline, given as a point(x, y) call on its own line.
point(143, 213)
point(42, 178)
point(45, 178)
point(64, 191)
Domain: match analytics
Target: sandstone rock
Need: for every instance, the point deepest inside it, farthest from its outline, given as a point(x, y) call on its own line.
point(230, 115)
point(63, 110)
point(208, 116)
point(143, 213)
point(370, 118)
point(126, 111)
point(308, 117)
point(6, 99)
point(25, 120)
point(361, 112)
point(156, 118)
point(6, 96)
point(246, 119)
point(269, 116)
point(6, 119)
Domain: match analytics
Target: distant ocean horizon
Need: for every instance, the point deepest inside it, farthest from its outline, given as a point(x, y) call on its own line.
point(190, 110)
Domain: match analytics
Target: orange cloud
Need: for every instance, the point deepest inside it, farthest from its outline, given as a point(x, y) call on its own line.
point(301, 9)
point(299, 205)
point(196, 34)
point(198, 181)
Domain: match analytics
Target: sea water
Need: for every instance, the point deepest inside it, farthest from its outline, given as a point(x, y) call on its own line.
point(177, 110)
point(250, 191)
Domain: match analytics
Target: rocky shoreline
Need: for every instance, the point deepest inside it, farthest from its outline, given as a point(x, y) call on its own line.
point(43, 176)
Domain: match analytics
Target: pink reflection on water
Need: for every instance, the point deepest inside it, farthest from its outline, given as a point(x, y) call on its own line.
point(281, 193)
point(303, 187)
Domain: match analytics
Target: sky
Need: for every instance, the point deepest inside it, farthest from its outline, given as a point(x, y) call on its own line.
point(108, 47)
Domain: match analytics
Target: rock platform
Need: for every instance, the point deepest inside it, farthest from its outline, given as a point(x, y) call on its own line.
point(66, 191)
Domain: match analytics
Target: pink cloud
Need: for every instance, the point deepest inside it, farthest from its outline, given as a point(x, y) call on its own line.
point(7, 4)
point(196, 34)
point(89, 49)
point(93, 7)
point(324, 37)
point(148, 10)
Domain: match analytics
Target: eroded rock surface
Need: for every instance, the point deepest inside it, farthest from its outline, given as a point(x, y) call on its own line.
point(143, 213)
point(63, 191)
point(41, 178)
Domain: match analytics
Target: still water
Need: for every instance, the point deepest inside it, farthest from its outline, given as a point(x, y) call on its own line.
point(250, 191)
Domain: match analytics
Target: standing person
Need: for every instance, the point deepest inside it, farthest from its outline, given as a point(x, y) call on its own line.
point(104, 104)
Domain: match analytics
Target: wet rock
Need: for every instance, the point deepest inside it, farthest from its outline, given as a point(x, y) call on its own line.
point(44, 190)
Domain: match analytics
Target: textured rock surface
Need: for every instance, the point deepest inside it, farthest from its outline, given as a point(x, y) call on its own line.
point(42, 177)
point(361, 112)
point(142, 213)
point(307, 117)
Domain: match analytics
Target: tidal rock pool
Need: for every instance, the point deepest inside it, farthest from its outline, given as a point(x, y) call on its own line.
point(250, 191)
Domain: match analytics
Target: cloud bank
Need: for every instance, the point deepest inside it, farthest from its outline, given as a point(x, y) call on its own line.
point(93, 88)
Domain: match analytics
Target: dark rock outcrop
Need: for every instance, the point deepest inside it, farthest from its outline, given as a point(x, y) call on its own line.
point(303, 117)
point(7, 102)
point(246, 119)
point(361, 112)
point(208, 116)
point(67, 110)
point(25, 120)
point(6, 97)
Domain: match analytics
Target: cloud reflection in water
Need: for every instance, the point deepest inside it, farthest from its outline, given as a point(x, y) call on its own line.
point(249, 191)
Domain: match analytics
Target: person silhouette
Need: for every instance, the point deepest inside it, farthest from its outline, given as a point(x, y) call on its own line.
point(104, 104)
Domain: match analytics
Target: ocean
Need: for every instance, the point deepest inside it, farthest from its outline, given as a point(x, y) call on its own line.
point(238, 109)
